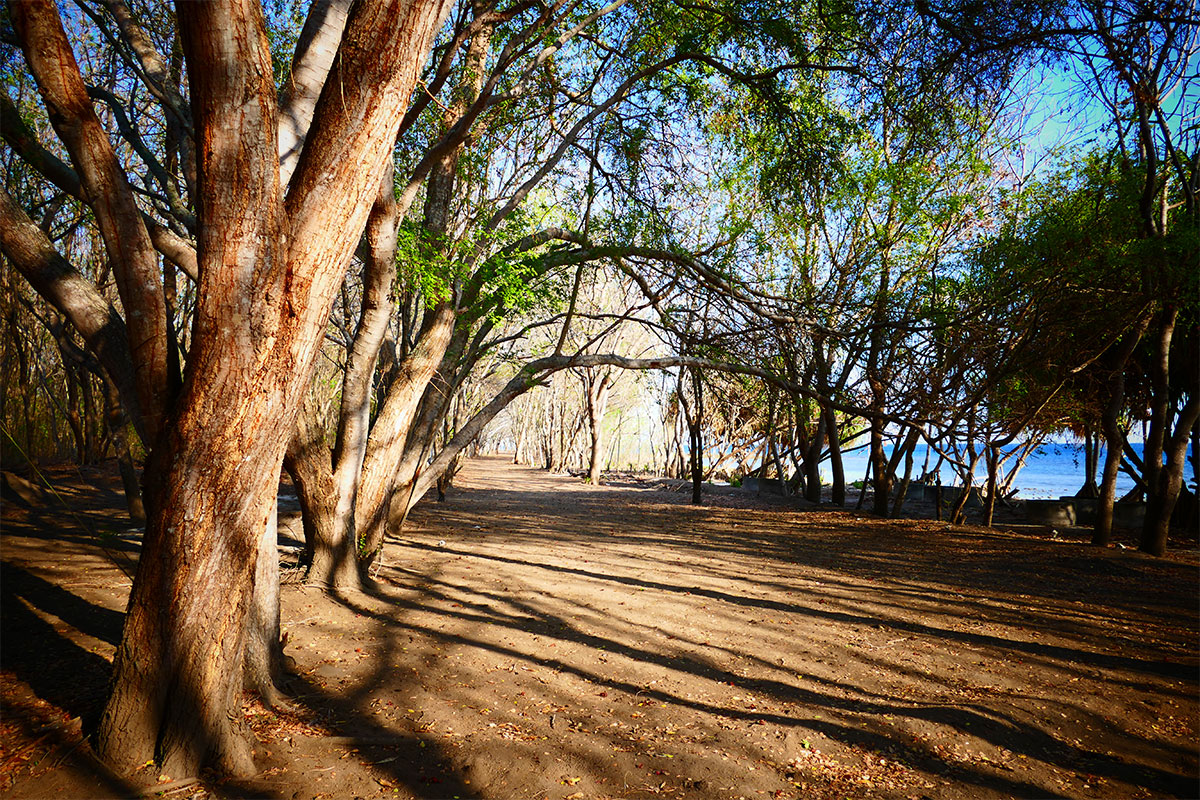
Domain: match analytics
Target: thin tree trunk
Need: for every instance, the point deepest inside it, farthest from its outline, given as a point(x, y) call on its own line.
point(837, 486)
point(114, 415)
point(1114, 436)
point(989, 503)
point(902, 491)
point(316, 48)
point(812, 461)
point(76, 298)
point(1160, 425)
point(126, 239)
point(958, 510)
point(390, 432)
point(881, 475)
point(337, 565)
point(597, 403)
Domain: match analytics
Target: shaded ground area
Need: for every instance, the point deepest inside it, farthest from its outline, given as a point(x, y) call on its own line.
point(535, 637)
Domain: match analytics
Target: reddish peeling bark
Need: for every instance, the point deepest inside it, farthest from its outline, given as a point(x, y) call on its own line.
point(261, 316)
point(210, 482)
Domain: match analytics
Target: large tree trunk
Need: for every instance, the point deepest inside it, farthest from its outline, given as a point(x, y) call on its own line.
point(262, 312)
point(211, 480)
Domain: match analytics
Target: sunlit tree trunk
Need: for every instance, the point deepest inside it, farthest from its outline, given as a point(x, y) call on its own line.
point(596, 390)
point(268, 272)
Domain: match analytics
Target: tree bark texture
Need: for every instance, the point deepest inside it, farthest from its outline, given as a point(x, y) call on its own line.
point(332, 560)
point(315, 50)
point(337, 565)
point(265, 293)
point(263, 652)
point(391, 429)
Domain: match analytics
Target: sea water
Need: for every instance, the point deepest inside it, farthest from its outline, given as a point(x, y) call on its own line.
point(1053, 470)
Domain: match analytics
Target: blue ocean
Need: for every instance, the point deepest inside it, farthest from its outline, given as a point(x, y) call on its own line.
point(1052, 470)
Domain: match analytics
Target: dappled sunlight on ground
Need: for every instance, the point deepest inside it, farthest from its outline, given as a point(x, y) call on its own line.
point(536, 637)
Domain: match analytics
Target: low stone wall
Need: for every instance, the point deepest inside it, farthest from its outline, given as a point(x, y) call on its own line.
point(1050, 512)
point(758, 485)
point(1081, 511)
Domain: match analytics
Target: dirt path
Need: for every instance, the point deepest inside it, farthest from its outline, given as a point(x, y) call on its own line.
point(534, 637)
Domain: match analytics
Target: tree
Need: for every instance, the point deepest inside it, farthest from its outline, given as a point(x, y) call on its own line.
point(1136, 64)
point(268, 265)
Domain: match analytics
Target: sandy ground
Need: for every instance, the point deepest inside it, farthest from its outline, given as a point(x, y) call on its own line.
point(535, 637)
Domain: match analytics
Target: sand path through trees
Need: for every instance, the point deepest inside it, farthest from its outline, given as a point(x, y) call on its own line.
point(538, 637)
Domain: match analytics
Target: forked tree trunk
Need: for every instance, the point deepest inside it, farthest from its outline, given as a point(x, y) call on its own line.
point(1166, 494)
point(263, 307)
point(332, 560)
point(331, 480)
point(992, 459)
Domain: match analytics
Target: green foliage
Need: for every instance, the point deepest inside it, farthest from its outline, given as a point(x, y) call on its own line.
point(284, 20)
point(1068, 271)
